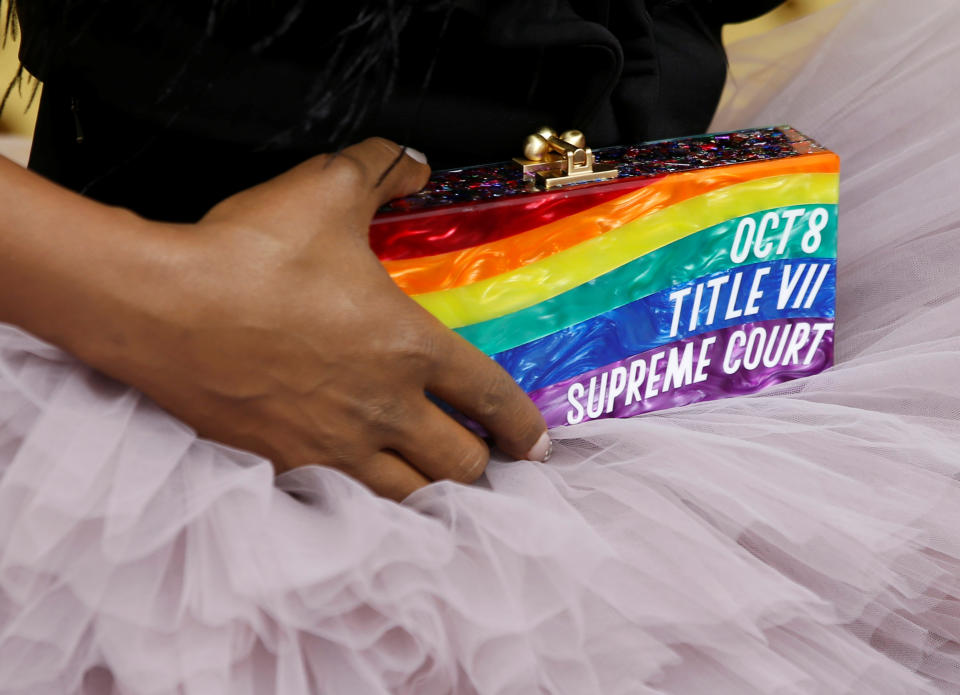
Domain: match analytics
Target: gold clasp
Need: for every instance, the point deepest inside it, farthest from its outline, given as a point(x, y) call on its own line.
point(559, 161)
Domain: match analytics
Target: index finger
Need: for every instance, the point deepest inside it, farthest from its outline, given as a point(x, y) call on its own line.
point(479, 388)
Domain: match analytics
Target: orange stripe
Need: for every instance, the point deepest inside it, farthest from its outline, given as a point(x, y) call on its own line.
point(466, 266)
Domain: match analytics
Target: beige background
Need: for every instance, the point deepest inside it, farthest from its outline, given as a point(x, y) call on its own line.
point(15, 120)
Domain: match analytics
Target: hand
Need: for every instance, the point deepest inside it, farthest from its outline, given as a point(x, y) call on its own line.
point(284, 335)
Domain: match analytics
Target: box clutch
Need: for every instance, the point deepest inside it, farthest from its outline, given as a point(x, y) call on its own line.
point(615, 282)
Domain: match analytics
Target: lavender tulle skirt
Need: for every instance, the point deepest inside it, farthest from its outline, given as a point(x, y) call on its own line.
point(806, 540)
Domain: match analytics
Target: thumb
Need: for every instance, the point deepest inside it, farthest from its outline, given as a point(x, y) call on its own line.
point(356, 180)
point(384, 170)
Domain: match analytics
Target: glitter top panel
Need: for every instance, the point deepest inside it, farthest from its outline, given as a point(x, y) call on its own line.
point(504, 180)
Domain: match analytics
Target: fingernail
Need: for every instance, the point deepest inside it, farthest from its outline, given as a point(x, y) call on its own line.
point(416, 154)
point(541, 450)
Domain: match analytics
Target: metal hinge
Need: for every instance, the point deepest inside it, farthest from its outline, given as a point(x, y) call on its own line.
point(551, 160)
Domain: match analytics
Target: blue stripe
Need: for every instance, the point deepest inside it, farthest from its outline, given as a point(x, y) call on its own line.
point(646, 323)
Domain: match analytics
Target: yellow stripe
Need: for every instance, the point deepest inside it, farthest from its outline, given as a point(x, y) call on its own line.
point(536, 282)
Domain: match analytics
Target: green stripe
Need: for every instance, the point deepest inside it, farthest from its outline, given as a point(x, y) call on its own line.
point(704, 252)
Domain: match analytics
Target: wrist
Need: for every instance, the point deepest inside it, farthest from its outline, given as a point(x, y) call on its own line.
point(98, 281)
point(134, 292)
point(94, 284)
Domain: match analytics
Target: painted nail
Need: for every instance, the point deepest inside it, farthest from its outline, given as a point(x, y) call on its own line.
point(416, 155)
point(541, 450)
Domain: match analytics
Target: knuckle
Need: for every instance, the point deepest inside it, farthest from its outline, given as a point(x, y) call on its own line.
point(333, 454)
point(348, 171)
point(492, 399)
point(340, 458)
point(341, 445)
point(471, 465)
point(413, 347)
point(386, 414)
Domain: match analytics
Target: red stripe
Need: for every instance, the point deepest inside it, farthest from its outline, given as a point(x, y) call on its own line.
point(433, 232)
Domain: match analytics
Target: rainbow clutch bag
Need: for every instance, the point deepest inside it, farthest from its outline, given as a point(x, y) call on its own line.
point(631, 279)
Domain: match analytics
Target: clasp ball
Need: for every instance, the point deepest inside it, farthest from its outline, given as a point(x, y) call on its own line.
point(575, 138)
point(546, 132)
point(535, 148)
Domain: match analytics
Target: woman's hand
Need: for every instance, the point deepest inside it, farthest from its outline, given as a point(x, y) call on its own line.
point(277, 330)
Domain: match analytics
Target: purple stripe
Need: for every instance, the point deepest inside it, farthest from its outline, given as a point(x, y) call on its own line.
point(786, 349)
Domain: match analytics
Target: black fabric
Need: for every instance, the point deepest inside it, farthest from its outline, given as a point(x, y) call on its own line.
point(176, 111)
